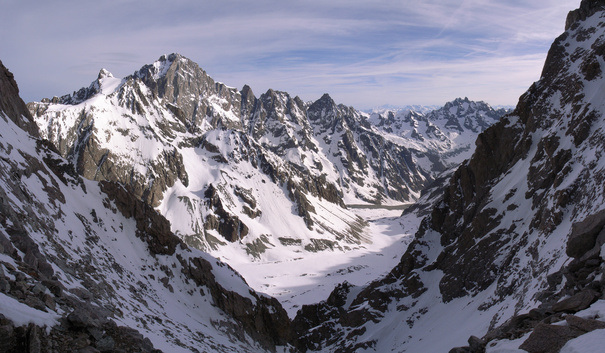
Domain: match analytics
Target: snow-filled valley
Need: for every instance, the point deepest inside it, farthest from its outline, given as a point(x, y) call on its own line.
point(310, 278)
point(263, 183)
point(164, 211)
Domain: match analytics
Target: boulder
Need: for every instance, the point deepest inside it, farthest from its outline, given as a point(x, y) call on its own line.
point(80, 318)
point(582, 324)
point(476, 344)
point(549, 338)
point(584, 234)
point(576, 302)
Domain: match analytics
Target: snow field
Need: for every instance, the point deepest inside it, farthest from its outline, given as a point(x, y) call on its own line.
point(102, 250)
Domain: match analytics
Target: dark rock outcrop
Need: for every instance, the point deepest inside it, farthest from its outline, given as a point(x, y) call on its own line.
point(263, 318)
point(13, 106)
point(227, 224)
point(587, 9)
point(587, 236)
point(549, 338)
point(73, 336)
point(151, 226)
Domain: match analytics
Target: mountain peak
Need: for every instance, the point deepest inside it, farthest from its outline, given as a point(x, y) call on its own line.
point(103, 74)
point(325, 101)
point(161, 66)
point(172, 57)
point(326, 97)
point(321, 106)
point(587, 9)
point(461, 100)
point(168, 59)
point(246, 90)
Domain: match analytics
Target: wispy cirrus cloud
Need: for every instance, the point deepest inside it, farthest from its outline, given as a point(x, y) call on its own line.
point(364, 53)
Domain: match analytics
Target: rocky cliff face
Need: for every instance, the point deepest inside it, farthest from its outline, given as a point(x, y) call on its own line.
point(376, 168)
point(90, 267)
point(517, 228)
point(555, 133)
point(13, 108)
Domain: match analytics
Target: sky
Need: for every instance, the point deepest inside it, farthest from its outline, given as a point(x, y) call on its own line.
point(365, 54)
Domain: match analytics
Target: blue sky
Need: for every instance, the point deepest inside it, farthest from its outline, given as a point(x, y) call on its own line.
point(363, 53)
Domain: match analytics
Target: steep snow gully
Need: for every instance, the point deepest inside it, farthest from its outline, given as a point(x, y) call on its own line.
point(165, 211)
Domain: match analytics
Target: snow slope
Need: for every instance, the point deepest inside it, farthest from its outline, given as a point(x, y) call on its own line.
point(62, 232)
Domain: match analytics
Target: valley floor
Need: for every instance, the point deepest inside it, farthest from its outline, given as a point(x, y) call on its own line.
point(310, 279)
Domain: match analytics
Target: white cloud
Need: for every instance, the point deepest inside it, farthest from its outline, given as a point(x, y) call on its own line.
point(363, 53)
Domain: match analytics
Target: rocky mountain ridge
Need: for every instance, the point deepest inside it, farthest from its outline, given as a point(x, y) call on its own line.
point(71, 254)
point(512, 252)
point(155, 130)
point(87, 266)
point(450, 130)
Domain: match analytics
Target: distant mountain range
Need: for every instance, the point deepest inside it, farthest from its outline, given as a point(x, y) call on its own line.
point(422, 109)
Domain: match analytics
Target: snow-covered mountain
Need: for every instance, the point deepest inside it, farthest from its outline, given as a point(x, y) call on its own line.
point(172, 105)
point(263, 180)
point(423, 109)
point(87, 266)
point(92, 265)
point(509, 251)
point(512, 255)
point(449, 131)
